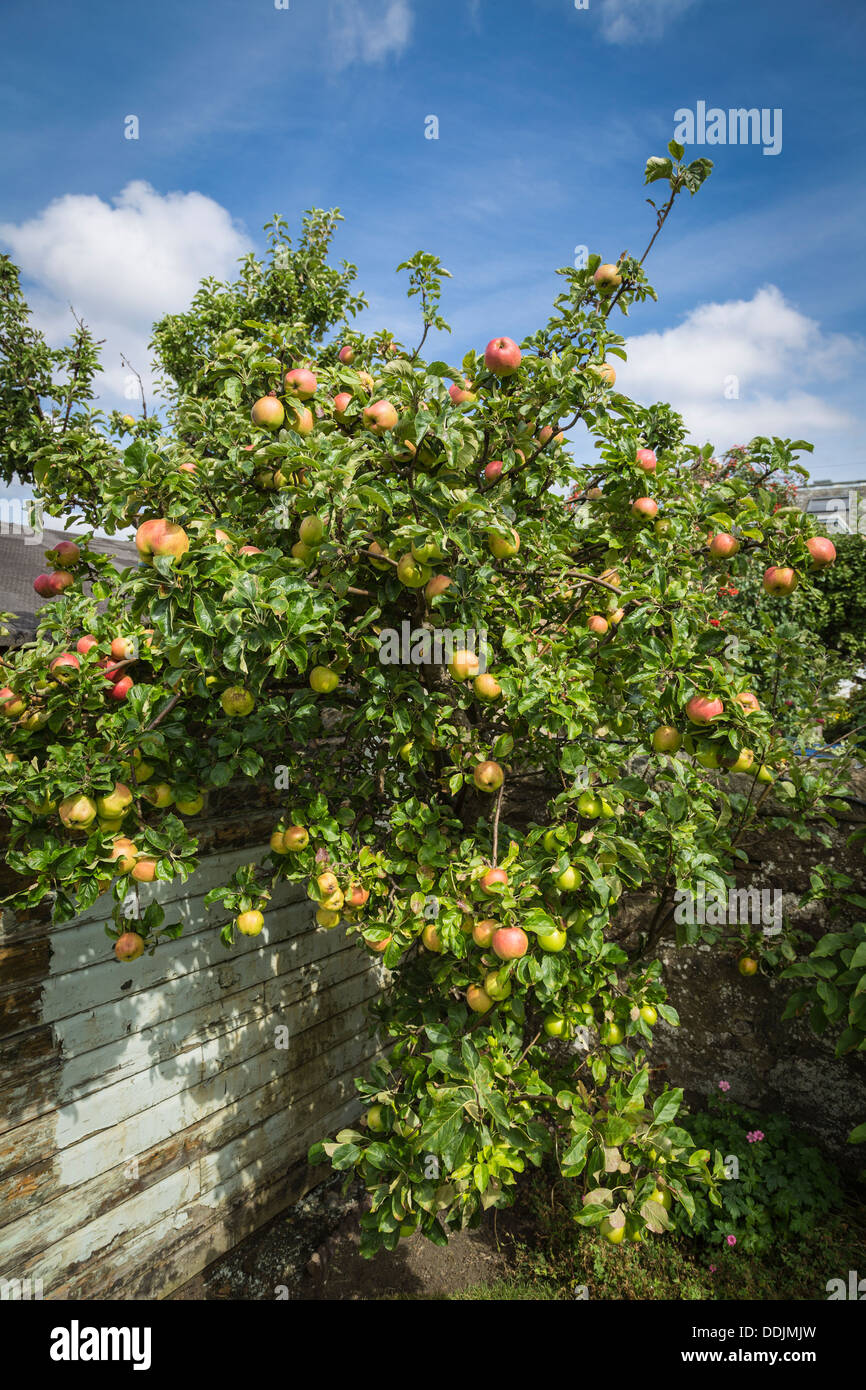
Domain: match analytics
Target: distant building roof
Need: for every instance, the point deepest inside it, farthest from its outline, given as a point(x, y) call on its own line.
point(23, 557)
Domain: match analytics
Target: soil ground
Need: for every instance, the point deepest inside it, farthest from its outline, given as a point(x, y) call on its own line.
point(312, 1253)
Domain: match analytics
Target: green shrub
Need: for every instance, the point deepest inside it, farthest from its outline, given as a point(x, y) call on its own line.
point(783, 1188)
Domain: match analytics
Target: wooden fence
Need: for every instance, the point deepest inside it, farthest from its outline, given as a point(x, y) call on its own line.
point(153, 1114)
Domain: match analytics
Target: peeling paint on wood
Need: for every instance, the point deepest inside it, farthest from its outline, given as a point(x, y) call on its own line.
point(147, 1117)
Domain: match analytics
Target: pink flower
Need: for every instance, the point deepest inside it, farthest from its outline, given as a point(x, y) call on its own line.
point(755, 1136)
point(732, 1240)
point(724, 1085)
point(712, 1269)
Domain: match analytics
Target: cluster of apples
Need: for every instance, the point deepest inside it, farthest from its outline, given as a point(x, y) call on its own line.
point(66, 555)
point(109, 809)
point(300, 385)
point(701, 711)
point(64, 668)
point(779, 580)
point(508, 943)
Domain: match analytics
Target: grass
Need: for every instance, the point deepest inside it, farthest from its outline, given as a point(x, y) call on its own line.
point(510, 1291)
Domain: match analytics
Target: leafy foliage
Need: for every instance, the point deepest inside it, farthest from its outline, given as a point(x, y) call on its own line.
point(783, 1187)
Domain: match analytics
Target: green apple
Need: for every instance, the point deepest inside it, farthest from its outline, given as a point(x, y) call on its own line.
point(569, 879)
point(323, 680)
point(589, 805)
point(496, 988)
point(554, 1025)
point(553, 940)
point(411, 573)
point(615, 1234)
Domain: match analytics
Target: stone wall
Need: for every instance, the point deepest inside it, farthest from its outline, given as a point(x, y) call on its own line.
point(731, 1026)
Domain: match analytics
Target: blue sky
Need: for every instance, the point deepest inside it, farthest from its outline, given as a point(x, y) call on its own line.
point(546, 115)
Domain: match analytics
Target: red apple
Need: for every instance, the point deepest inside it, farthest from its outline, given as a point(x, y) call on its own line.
point(346, 355)
point(748, 701)
point(301, 384)
point(723, 545)
point(380, 417)
point(546, 433)
point(493, 470)
point(490, 880)
point(64, 666)
point(86, 644)
point(129, 946)
point(11, 705)
point(645, 506)
point(437, 585)
point(701, 709)
point(822, 550)
point(780, 580)
point(43, 586)
point(342, 401)
point(646, 459)
point(302, 421)
point(268, 413)
point(65, 555)
point(60, 580)
point(462, 395)
point(502, 356)
point(510, 943)
point(122, 688)
point(482, 932)
point(160, 537)
point(598, 625)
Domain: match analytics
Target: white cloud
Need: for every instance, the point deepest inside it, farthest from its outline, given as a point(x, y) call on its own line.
point(780, 370)
point(368, 31)
point(121, 265)
point(631, 21)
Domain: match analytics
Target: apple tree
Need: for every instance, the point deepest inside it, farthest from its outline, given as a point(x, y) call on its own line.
point(483, 715)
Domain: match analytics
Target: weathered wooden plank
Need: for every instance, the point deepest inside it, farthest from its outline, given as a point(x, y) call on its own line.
point(36, 1211)
point(147, 1119)
point(20, 1009)
point(327, 1045)
point(142, 1036)
point(24, 963)
point(132, 1231)
point(163, 1259)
